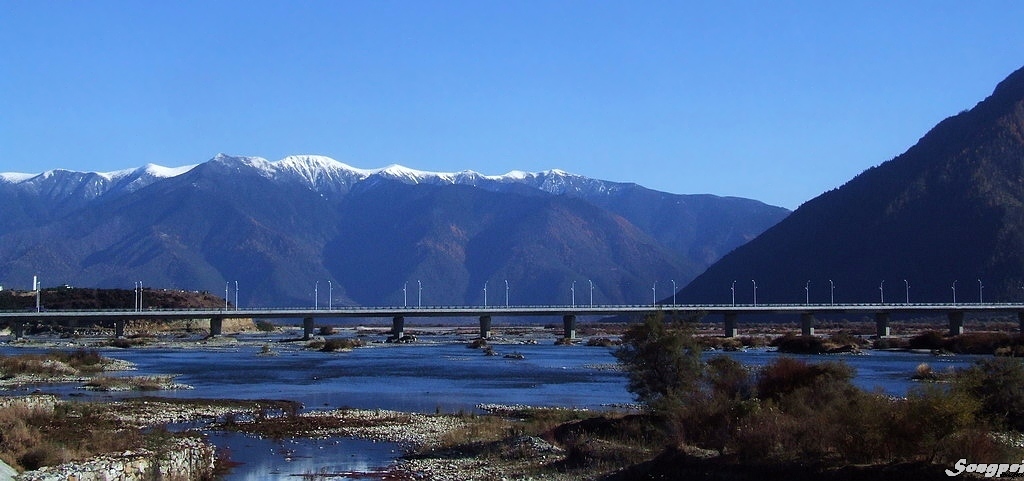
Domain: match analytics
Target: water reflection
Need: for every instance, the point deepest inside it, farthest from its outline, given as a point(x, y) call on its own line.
point(265, 459)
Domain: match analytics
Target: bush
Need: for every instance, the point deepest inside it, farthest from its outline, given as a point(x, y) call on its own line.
point(928, 340)
point(331, 345)
point(263, 325)
point(787, 375)
point(326, 330)
point(998, 384)
point(799, 344)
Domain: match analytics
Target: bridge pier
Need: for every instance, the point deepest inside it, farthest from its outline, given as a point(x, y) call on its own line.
point(398, 327)
point(307, 328)
point(731, 319)
point(956, 322)
point(882, 324)
point(216, 326)
point(119, 326)
point(807, 324)
point(485, 327)
point(569, 326)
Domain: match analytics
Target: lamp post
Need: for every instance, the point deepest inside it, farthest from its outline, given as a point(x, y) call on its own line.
point(733, 289)
point(405, 294)
point(226, 284)
point(980, 287)
point(807, 293)
point(236, 295)
point(907, 284)
point(419, 293)
point(954, 292)
point(673, 292)
point(330, 295)
point(572, 290)
point(881, 291)
point(316, 295)
point(591, 292)
point(654, 293)
point(485, 293)
point(140, 297)
point(755, 290)
point(832, 292)
point(506, 292)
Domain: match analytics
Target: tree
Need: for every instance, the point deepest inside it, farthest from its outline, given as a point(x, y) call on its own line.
point(663, 361)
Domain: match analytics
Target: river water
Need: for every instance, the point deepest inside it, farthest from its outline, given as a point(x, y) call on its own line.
point(437, 374)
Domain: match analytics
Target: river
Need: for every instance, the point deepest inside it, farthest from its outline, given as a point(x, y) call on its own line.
point(437, 374)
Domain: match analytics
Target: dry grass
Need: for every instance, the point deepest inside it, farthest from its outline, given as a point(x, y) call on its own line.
point(52, 364)
point(32, 438)
point(130, 383)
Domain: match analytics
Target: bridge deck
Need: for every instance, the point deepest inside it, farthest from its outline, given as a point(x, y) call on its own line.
point(506, 311)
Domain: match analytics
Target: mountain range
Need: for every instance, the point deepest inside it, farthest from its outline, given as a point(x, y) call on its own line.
point(943, 221)
point(309, 229)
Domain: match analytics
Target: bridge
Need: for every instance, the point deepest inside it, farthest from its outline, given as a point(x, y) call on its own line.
point(731, 313)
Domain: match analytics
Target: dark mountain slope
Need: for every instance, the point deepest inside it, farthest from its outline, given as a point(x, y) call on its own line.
point(951, 208)
point(453, 240)
point(305, 228)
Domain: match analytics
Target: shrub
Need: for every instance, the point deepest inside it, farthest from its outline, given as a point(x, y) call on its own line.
point(924, 372)
point(889, 343)
point(979, 342)
point(331, 345)
point(326, 330)
point(928, 340)
point(998, 384)
point(263, 325)
point(799, 344)
point(786, 375)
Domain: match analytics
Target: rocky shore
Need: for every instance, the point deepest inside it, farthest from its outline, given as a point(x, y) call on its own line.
point(179, 459)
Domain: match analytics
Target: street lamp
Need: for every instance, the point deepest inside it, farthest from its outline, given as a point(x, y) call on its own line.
point(954, 293)
point(419, 294)
point(673, 292)
point(236, 295)
point(506, 292)
point(316, 295)
point(654, 293)
point(733, 289)
point(591, 292)
point(485, 293)
point(405, 294)
point(807, 293)
point(832, 292)
point(572, 289)
point(226, 284)
point(755, 291)
point(980, 287)
point(881, 291)
point(908, 290)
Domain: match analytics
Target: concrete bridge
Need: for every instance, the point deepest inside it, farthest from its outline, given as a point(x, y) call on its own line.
point(731, 314)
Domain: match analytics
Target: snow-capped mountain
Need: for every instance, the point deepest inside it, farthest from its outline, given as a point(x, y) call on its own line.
point(319, 173)
point(285, 224)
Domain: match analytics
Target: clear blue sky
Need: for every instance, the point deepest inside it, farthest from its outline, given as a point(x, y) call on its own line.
point(777, 101)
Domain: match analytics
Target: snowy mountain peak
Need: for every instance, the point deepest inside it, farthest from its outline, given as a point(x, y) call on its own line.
point(316, 172)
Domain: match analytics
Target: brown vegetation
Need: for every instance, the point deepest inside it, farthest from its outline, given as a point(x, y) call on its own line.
point(792, 410)
point(32, 438)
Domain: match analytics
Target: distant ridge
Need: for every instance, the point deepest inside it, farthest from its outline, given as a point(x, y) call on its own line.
point(294, 231)
point(948, 210)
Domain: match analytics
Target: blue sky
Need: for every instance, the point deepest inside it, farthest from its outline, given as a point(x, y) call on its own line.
point(777, 101)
